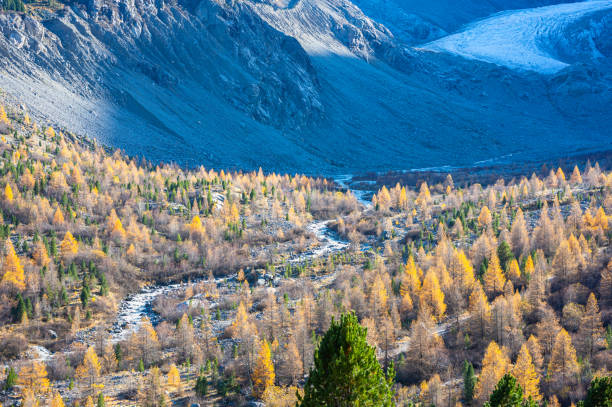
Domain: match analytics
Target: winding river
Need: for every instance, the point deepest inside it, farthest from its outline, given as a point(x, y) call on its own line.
point(136, 306)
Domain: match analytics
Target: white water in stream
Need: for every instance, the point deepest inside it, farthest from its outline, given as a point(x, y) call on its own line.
point(139, 305)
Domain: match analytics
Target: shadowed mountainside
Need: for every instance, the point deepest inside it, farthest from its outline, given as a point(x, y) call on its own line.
point(309, 86)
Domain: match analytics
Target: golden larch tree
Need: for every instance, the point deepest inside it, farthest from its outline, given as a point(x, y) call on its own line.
point(485, 218)
point(432, 296)
point(195, 227)
point(493, 278)
point(529, 266)
point(29, 399)
point(174, 379)
point(263, 371)
point(3, 116)
point(526, 375)
point(89, 370)
point(56, 400)
point(591, 331)
point(480, 311)
point(514, 272)
point(410, 279)
point(564, 263)
point(535, 351)
point(378, 296)
point(8, 193)
point(69, 246)
point(563, 363)
point(58, 217)
point(576, 178)
point(40, 255)
point(13, 275)
point(33, 377)
point(146, 342)
point(495, 365)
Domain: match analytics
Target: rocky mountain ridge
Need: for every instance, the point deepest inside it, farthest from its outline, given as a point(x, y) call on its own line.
point(308, 85)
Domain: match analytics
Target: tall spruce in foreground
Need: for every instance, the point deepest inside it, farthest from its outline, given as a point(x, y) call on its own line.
point(346, 372)
point(599, 394)
point(509, 393)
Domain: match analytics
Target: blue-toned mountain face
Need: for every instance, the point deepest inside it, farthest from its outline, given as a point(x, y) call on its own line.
point(320, 86)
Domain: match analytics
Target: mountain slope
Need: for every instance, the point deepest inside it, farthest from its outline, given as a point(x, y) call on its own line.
point(305, 85)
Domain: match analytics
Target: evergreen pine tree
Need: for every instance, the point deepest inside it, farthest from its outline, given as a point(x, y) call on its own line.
point(599, 394)
point(469, 382)
point(508, 393)
point(346, 372)
point(11, 379)
point(101, 401)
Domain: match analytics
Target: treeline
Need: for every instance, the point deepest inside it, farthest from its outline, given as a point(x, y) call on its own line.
point(13, 5)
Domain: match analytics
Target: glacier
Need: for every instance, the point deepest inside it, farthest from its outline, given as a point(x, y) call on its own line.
point(519, 39)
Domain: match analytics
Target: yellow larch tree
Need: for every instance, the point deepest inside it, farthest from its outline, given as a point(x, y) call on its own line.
point(242, 323)
point(263, 371)
point(58, 217)
point(8, 193)
point(378, 296)
point(33, 377)
point(564, 263)
point(495, 365)
point(519, 236)
point(529, 266)
point(591, 331)
point(560, 174)
point(480, 309)
point(514, 272)
point(410, 279)
point(118, 232)
point(29, 399)
point(3, 116)
point(235, 215)
point(563, 363)
point(69, 246)
point(601, 219)
point(432, 296)
point(535, 351)
point(56, 400)
point(424, 195)
point(485, 218)
point(13, 275)
point(406, 305)
point(40, 255)
point(50, 132)
point(493, 278)
point(89, 369)
point(466, 269)
point(174, 379)
point(195, 227)
point(576, 178)
point(526, 375)
point(146, 341)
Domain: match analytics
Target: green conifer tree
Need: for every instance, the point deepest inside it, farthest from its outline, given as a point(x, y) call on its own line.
point(346, 371)
point(508, 393)
point(469, 382)
point(599, 394)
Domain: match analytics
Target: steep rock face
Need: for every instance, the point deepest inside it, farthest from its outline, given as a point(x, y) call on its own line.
point(314, 86)
point(269, 75)
point(325, 27)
